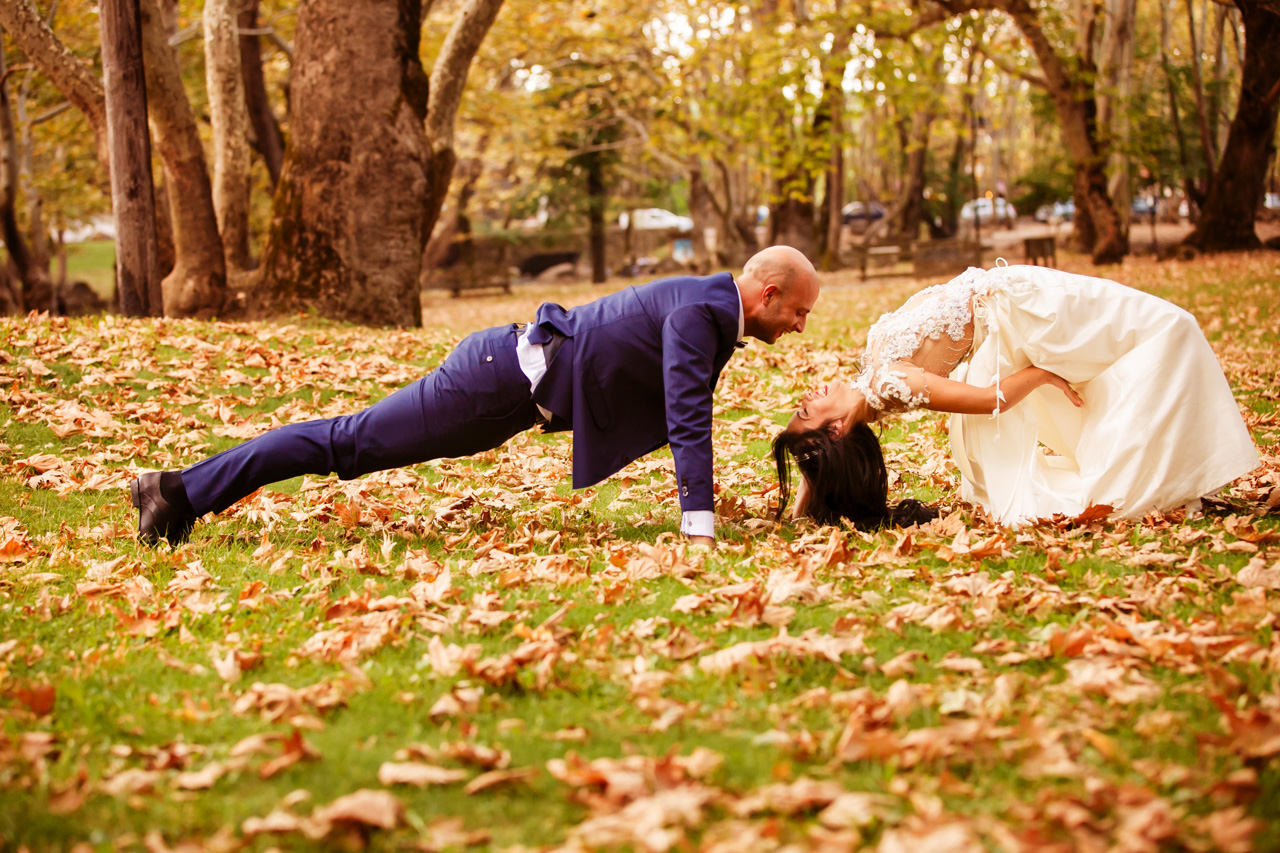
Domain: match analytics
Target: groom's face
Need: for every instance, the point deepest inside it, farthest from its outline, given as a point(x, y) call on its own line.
point(784, 311)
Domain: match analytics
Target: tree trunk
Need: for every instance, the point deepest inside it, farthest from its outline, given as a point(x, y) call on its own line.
point(197, 284)
point(1116, 82)
point(10, 291)
point(1207, 146)
point(1189, 185)
point(833, 207)
point(702, 212)
point(448, 80)
point(831, 122)
point(917, 158)
point(36, 231)
point(349, 216)
point(19, 257)
point(735, 237)
point(1227, 220)
point(132, 202)
point(596, 198)
point(791, 224)
point(1098, 227)
point(166, 257)
point(266, 130)
point(71, 76)
point(230, 122)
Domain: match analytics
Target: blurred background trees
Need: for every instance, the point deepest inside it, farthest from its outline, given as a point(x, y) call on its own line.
point(319, 155)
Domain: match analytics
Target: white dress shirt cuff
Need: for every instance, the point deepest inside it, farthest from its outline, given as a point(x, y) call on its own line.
point(698, 522)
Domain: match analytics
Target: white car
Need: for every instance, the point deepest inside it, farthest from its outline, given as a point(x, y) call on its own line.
point(656, 219)
point(989, 210)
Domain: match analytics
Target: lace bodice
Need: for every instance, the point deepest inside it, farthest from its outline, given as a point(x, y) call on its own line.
point(931, 332)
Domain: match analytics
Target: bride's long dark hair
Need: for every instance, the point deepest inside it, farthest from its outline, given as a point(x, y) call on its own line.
point(847, 478)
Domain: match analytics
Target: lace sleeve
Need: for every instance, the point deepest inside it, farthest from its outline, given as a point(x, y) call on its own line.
point(893, 387)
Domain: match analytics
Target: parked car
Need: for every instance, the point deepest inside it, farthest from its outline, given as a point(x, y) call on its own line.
point(1142, 206)
point(989, 210)
point(100, 227)
point(862, 213)
point(656, 219)
point(1059, 211)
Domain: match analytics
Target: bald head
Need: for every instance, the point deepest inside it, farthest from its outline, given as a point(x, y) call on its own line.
point(779, 287)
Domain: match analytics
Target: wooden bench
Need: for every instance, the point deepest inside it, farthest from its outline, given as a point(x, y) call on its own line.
point(945, 257)
point(865, 258)
point(471, 265)
point(1039, 249)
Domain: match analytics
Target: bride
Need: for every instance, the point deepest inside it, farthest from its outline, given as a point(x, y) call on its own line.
point(1066, 392)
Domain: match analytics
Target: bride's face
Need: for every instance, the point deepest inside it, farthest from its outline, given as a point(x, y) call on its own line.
point(834, 401)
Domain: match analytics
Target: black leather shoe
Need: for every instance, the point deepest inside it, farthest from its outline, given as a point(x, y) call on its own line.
point(156, 516)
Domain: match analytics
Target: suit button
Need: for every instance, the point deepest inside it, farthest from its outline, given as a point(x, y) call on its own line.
point(488, 358)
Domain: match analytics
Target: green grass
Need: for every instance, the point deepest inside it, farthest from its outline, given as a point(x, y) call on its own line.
point(93, 262)
point(1093, 713)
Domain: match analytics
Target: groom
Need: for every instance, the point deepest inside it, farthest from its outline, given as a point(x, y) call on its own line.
point(628, 373)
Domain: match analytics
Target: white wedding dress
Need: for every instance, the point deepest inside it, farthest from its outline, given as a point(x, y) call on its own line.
point(1159, 427)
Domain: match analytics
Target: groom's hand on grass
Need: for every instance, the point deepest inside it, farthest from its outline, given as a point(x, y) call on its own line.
point(702, 540)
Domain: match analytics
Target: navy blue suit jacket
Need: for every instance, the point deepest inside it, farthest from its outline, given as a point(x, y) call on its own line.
point(637, 371)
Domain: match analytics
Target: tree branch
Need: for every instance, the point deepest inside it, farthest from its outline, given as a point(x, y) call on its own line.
point(932, 17)
point(65, 70)
point(449, 75)
point(1009, 68)
point(14, 69)
point(281, 45)
point(52, 113)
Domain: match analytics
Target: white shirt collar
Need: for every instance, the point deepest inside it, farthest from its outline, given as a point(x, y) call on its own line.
point(741, 319)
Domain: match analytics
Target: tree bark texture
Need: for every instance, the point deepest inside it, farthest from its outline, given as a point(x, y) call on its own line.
point(831, 111)
point(833, 205)
point(197, 284)
point(1189, 185)
point(68, 73)
point(1208, 148)
point(597, 196)
point(702, 212)
point(1116, 75)
point(448, 80)
point(229, 118)
point(1227, 220)
point(792, 223)
point(349, 215)
point(10, 233)
point(915, 150)
point(266, 130)
point(132, 199)
point(38, 233)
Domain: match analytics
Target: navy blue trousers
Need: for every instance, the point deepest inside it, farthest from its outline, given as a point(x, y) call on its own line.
point(477, 400)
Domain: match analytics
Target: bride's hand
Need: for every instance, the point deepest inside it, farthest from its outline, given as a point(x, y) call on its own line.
point(1058, 382)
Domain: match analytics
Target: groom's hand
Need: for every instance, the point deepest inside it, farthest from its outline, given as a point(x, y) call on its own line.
point(702, 540)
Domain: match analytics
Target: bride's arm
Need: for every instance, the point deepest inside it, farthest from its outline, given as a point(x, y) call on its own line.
point(802, 498)
point(946, 395)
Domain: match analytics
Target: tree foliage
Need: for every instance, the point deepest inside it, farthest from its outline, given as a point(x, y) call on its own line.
point(573, 112)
